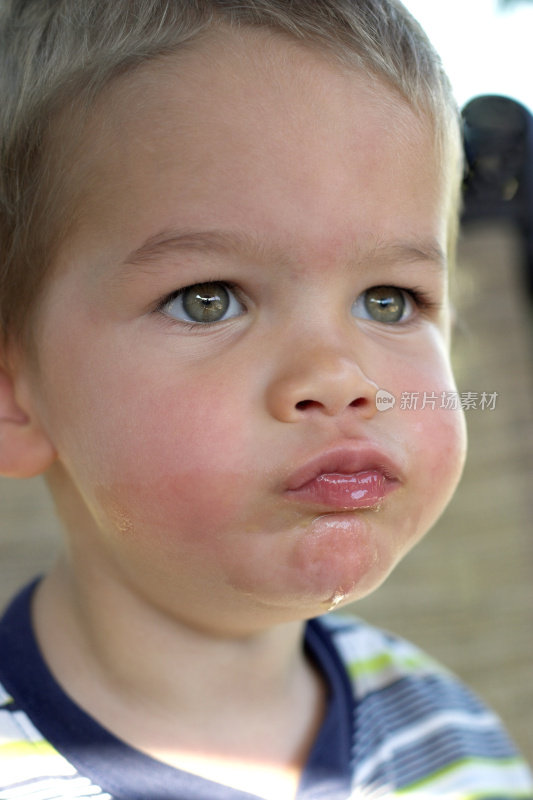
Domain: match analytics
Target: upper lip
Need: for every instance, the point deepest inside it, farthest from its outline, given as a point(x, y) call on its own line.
point(343, 461)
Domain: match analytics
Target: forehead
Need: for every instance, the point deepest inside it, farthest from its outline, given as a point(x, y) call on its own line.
point(241, 123)
point(245, 81)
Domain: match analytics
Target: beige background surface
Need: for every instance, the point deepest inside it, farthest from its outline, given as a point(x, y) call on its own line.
point(466, 593)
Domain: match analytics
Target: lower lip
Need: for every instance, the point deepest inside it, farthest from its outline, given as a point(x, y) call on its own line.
point(349, 492)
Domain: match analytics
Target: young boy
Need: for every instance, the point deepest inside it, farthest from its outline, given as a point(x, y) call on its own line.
point(224, 232)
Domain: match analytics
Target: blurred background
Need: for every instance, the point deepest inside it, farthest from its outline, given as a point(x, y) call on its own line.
point(485, 44)
point(466, 593)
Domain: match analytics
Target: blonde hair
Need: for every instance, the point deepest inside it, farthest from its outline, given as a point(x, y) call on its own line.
point(58, 55)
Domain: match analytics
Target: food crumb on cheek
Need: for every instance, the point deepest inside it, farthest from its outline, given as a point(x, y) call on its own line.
point(113, 514)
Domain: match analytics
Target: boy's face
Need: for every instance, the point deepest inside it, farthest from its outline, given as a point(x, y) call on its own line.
point(238, 473)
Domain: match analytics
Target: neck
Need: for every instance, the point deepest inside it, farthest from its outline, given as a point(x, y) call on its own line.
point(203, 700)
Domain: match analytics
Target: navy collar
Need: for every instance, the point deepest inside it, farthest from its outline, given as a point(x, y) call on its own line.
point(127, 774)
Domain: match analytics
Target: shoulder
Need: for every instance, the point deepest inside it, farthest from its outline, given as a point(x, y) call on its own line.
point(373, 656)
point(31, 766)
point(417, 725)
point(24, 753)
point(391, 674)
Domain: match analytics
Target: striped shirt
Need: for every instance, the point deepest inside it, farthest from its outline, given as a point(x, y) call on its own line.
point(398, 725)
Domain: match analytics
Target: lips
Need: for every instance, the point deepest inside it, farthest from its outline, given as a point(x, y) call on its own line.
point(347, 479)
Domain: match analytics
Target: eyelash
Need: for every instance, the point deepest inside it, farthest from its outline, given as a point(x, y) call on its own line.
point(420, 299)
point(423, 306)
point(177, 292)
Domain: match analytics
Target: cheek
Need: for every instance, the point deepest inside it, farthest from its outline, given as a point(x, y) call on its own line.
point(180, 464)
point(145, 449)
point(438, 442)
point(432, 436)
point(435, 439)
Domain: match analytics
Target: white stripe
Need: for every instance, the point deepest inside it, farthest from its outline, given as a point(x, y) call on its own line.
point(390, 794)
point(473, 777)
point(9, 728)
point(4, 696)
point(27, 728)
point(17, 770)
point(476, 776)
point(55, 789)
point(405, 659)
point(368, 643)
point(412, 734)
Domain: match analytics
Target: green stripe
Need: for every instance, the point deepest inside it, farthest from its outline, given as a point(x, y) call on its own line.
point(502, 763)
point(22, 749)
point(512, 796)
point(384, 661)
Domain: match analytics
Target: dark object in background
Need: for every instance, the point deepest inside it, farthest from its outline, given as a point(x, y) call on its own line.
point(498, 183)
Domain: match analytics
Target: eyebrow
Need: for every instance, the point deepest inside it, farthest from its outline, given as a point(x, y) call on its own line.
point(411, 252)
point(166, 243)
point(170, 242)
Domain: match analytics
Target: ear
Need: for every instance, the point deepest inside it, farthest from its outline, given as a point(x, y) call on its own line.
point(25, 449)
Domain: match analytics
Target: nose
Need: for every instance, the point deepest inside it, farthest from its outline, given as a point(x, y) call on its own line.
point(320, 381)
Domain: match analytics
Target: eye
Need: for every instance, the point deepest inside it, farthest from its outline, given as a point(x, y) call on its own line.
point(386, 304)
point(203, 303)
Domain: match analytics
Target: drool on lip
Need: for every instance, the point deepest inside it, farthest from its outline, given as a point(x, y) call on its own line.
point(363, 489)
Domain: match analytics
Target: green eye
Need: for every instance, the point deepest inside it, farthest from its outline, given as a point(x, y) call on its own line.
point(206, 302)
point(386, 304)
point(203, 303)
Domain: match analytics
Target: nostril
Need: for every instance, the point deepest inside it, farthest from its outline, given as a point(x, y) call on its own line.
point(359, 401)
point(303, 405)
point(306, 405)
